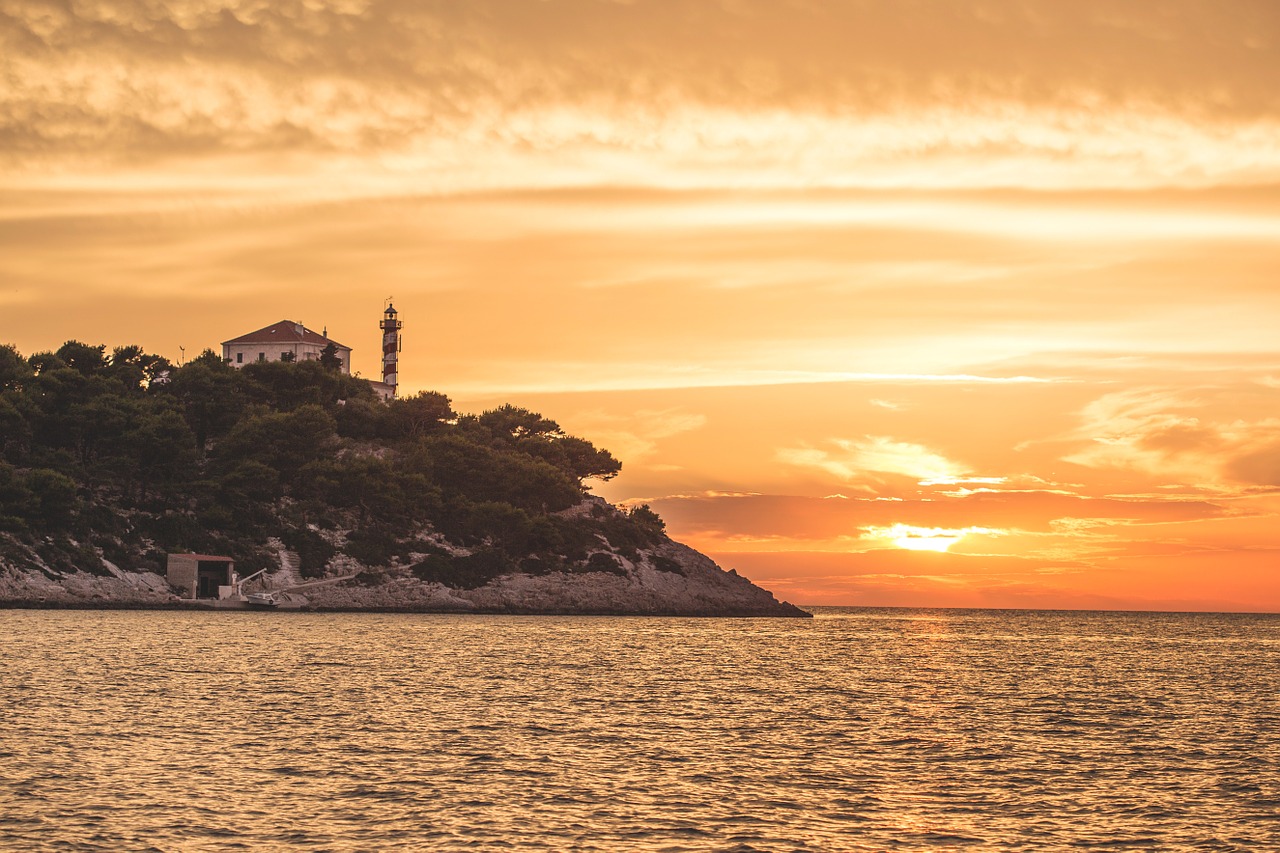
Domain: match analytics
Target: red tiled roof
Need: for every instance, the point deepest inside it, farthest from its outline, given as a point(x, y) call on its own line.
point(285, 330)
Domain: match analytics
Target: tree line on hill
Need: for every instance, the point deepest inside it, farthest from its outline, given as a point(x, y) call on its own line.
point(127, 456)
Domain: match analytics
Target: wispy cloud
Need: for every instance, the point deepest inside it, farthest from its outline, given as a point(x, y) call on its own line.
point(756, 93)
point(851, 459)
point(1172, 434)
point(819, 519)
point(634, 437)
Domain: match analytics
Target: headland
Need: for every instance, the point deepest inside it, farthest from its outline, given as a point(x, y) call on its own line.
point(292, 484)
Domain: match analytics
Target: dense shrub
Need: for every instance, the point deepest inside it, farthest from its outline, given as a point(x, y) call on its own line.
point(602, 562)
point(372, 547)
point(666, 564)
point(468, 572)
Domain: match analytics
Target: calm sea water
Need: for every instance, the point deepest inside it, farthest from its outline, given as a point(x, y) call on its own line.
point(857, 730)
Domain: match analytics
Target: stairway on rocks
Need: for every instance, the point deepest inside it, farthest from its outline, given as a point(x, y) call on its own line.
point(288, 575)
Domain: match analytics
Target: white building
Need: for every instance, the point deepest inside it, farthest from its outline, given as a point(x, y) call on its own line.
point(271, 344)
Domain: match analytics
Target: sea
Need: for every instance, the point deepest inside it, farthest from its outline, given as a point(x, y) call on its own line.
point(860, 729)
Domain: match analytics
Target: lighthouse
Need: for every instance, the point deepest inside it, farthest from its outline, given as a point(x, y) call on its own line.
point(390, 347)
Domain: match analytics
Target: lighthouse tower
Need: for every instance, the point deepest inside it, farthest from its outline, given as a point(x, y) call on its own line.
point(390, 347)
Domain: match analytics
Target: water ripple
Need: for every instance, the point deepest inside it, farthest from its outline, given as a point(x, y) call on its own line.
point(858, 730)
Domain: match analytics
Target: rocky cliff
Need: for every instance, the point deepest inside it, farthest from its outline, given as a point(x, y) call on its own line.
point(666, 578)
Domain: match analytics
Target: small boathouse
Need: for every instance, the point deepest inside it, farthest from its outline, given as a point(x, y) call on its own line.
point(201, 575)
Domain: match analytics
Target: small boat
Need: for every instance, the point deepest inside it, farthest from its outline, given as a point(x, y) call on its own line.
point(261, 599)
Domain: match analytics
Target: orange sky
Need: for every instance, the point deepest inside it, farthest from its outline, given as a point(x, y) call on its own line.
point(921, 303)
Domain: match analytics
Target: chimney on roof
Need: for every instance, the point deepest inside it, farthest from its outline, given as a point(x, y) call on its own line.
point(299, 329)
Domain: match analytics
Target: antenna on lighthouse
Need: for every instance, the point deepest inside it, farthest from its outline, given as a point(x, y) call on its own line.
point(391, 344)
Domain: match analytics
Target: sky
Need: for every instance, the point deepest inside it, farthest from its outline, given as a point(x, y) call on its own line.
point(958, 304)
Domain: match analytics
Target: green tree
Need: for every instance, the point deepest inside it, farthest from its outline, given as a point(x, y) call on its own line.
point(79, 414)
point(82, 357)
point(644, 516)
point(136, 369)
point(15, 430)
point(210, 394)
point(575, 456)
point(209, 358)
point(284, 385)
point(53, 497)
point(15, 371)
point(247, 482)
point(543, 438)
point(36, 498)
point(421, 414)
point(284, 441)
point(361, 418)
point(103, 425)
point(379, 491)
point(15, 499)
point(329, 357)
point(512, 423)
point(166, 453)
point(462, 467)
point(43, 362)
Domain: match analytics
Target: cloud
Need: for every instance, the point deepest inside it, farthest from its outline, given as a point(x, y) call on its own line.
point(635, 436)
point(853, 459)
point(903, 578)
point(1259, 467)
point(795, 519)
point(1173, 435)
point(757, 92)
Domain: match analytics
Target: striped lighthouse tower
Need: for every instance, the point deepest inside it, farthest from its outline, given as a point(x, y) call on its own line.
point(390, 347)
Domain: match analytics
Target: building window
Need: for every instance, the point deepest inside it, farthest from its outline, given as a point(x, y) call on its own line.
point(239, 358)
point(262, 356)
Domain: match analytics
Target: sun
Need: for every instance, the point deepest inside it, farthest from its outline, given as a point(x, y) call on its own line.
point(914, 542)
point(913, 538)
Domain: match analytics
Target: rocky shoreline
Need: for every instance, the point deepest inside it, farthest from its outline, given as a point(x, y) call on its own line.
point(196, 607)
point(668, 579)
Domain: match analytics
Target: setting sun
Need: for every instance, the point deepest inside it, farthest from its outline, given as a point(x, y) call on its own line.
point(923, 538)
